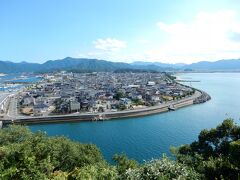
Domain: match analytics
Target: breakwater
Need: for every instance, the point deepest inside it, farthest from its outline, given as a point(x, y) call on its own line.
point(203, 98)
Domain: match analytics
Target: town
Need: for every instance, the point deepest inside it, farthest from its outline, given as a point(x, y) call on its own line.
point(67, 93)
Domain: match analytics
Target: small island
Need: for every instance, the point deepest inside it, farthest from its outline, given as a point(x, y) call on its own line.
point(1, 74)
point(67, 96)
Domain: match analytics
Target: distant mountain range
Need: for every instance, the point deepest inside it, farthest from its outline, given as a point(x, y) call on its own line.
point(74, 64)
point(163, 65)
point(67, 63)
point(89, 65)
point(222, 65)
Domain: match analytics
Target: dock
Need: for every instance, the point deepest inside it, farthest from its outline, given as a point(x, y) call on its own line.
point(188, 80)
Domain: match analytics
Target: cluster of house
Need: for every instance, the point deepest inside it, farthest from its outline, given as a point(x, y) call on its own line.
point(99, 92)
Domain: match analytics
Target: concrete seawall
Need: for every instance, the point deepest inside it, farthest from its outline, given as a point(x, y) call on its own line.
point(107, 115)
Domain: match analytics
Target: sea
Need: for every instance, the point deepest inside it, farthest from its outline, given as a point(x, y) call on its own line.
point(16, 78)
point(147, 137)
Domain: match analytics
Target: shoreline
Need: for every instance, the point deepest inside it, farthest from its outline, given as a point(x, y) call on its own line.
point(197, 98)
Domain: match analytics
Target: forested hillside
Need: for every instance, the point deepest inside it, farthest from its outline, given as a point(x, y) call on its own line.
point(27, 155)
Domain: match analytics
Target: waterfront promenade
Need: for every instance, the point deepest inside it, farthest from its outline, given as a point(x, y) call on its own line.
point(3, 100)
point(105, 115)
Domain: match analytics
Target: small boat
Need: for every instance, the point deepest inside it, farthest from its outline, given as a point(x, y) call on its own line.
point(100, 117)
point(171, 108)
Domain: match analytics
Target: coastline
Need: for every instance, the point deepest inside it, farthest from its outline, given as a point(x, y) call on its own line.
point(197, 98)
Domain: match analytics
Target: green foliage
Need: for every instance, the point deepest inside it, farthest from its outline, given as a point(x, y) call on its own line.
point(121, 107)
point(99, 171)
point(123, 163)
point(137, 102)
point(170, 76)
point(14, 134)
point(163, 169)
point(119, 95)
point(156, 169)
point(26, 155)
point(234, 152)
point(134, 70)
point(216, 154)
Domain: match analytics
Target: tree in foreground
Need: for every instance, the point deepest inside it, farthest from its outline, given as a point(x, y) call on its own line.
point(216, 153)
point(162, 169)
point(27, 155)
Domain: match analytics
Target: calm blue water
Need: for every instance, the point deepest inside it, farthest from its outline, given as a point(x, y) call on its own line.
point(149, 137)
point(16, 78)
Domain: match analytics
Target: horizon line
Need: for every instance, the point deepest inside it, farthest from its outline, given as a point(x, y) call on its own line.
point(76, 58)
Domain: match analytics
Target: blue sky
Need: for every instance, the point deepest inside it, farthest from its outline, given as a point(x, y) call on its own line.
point(125, 30)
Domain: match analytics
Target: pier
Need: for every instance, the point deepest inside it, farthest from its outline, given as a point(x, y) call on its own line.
point(188, 81)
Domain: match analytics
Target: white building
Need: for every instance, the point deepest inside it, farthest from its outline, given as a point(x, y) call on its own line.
point(151, 83)
point(74, 106)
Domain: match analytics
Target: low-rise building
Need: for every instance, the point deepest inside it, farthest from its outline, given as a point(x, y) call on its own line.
point(74, 106)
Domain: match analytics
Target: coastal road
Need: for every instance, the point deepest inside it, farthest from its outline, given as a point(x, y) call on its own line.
point(13, 114)
point(12, 109)
point(3, 104)
point(3, 96)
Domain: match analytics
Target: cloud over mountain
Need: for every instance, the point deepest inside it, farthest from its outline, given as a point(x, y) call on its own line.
point(209, 36)
point(110, 44)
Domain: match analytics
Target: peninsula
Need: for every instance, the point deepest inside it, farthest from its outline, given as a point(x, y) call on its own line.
point(67, 96)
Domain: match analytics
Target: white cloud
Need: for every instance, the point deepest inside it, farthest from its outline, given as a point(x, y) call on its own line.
point(110, 44)
point(210, 36)
point(144, 41)
point(107, 49)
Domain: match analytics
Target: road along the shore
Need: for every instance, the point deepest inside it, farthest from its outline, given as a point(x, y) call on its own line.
point(108, 115)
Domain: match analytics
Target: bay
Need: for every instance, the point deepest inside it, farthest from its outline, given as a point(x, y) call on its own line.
point(148, 137)
point(17, 78)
